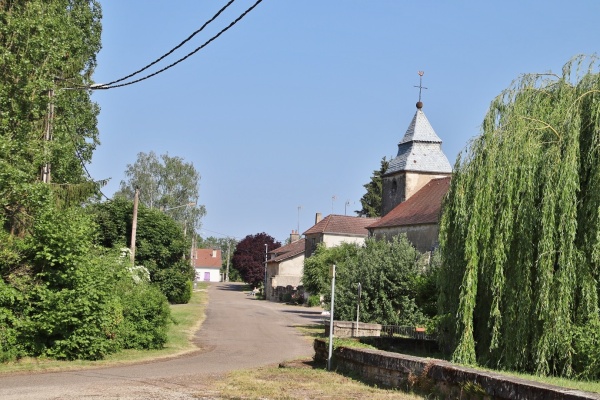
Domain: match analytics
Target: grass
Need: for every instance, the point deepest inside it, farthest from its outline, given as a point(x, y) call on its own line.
point(299, 382)
point(186, 318)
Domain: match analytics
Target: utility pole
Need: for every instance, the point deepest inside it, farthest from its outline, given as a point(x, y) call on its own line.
point(332, 276)
point(266, 252)
point(228, 250)
point(48, 136)
point(134, 224)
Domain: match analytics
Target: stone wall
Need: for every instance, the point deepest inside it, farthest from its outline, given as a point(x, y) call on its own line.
point(438, 377)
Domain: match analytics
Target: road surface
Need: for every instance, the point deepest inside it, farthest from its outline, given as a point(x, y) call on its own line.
point(239, 332)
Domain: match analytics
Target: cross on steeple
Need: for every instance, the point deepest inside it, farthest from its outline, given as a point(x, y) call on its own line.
point(421, 87)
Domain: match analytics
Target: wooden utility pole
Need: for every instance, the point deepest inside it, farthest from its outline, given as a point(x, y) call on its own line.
point(228, 250)
point(48, 137)
point(134, 224)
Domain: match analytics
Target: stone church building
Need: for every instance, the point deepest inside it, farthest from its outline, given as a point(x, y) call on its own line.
point(414, 186)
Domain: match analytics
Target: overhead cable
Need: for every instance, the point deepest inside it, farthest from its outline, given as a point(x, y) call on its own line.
point(107, 86)
point(174, 48)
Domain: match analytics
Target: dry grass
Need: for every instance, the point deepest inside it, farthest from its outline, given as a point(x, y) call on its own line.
point(299, 382)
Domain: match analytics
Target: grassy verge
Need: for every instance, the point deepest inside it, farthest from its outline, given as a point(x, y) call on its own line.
point(299, 383)
point(187, 318)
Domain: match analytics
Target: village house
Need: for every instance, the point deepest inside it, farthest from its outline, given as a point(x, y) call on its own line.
point(284, 269)
point(336, 229)
point(414, 186)
point(207, 263)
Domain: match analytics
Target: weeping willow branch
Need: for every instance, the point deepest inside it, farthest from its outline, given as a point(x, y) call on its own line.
point(520, 229)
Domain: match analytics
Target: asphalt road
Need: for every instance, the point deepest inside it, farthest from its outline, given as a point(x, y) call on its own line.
point(239, 332)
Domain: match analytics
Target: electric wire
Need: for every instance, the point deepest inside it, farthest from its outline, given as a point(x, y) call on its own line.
point(105, 87)
point(174, 48)
point(88, 173)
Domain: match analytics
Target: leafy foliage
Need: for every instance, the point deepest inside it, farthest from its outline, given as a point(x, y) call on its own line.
point(520, 231)
point(160, 244)
point(167, 183)
point(36, 68)
point(371, 201)
point(249, 257)
point(61, 296)
point(389, 273)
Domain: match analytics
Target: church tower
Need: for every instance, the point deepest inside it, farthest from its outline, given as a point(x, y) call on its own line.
point(419, 160)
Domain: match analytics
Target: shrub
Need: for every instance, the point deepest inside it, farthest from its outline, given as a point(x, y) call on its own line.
point(146, 316)
point(314, 300)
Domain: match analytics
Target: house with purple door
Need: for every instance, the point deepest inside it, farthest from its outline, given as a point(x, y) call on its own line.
point(207, 263)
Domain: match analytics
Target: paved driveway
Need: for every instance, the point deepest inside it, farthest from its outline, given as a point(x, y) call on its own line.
point(239, 332)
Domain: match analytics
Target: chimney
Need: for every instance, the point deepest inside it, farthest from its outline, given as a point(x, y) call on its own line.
point(214, 253)
point(294, 236)
point(318, 218)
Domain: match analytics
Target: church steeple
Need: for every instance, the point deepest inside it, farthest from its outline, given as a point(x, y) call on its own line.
point(420, 158)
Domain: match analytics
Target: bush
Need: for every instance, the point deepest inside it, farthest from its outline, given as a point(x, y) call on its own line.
point(146, 316)
point(175, 284)
point(314, 300)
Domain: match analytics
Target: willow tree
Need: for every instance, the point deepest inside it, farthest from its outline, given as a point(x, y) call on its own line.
point(520, 230)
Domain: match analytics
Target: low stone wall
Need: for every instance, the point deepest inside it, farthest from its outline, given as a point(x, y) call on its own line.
point(345, 329)
point(440, 377)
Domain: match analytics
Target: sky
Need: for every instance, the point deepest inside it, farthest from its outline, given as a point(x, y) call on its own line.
point(289, 112)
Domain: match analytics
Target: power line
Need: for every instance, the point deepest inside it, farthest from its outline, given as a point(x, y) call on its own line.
point(107, 86)
point(174, 48)
point(218, 233)
point(88, 172)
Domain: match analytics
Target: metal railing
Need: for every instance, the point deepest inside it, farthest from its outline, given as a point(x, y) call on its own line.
point(406, 331)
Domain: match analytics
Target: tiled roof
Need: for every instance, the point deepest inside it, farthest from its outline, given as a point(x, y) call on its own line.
point(288, 251)
point(421, 208)
point(342, 225)
point(420, 149)
point(204, 258)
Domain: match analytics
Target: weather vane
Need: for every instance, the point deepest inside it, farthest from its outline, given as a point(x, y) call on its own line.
point(421, 87)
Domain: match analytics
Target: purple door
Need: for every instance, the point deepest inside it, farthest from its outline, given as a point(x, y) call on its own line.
point(207, 276)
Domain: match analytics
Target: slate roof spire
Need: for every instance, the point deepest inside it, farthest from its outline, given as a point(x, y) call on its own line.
point(420, 149)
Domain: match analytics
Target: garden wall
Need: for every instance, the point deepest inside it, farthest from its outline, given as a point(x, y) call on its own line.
point(440, 377)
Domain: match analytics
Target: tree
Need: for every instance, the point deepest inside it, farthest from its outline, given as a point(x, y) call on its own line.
point(390, 274)
point(372, 200)
point(249, 257)
point(520, 230)
point(37, 69)
point(167, 183)
point(160, 244)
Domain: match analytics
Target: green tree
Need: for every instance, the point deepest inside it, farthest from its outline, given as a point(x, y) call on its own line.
point(520, 230)
point(166, 183)
point(391, 275)
point(372, 200)
point(47, 48)
point(160, 244)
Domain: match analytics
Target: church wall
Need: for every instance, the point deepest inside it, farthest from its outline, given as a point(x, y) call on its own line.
point(393, 192)
point(398, 188)
point(423, 237)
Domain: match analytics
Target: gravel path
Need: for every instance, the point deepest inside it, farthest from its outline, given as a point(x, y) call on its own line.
point(239, 332)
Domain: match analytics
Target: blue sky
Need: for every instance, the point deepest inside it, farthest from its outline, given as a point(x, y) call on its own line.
point(300, 100)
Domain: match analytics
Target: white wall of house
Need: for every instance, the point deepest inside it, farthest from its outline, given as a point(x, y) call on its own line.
point(336, 240)
point(208, 275)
